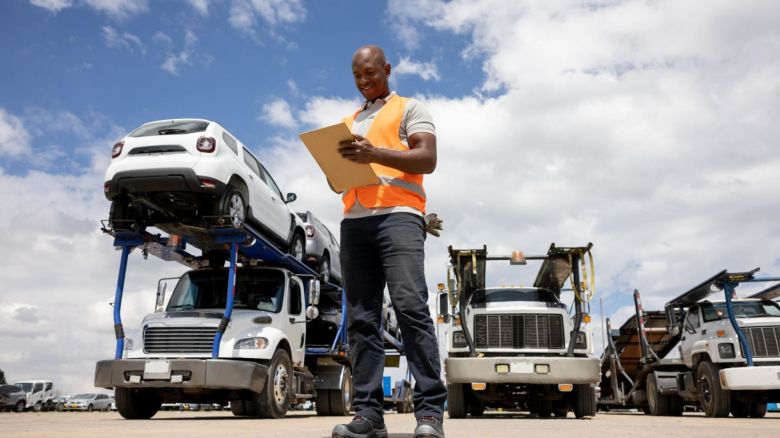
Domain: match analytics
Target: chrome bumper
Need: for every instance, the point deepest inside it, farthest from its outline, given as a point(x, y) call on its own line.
point(755, 378)
point(530, 370)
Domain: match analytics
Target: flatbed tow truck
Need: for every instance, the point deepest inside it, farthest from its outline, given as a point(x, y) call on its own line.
point(278, 338)
point(729, 352)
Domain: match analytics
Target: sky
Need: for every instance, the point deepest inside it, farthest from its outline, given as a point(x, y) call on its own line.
point(649, 128)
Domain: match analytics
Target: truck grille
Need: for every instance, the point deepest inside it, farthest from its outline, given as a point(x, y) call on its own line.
point(518, 331)
point(764, 341)
point(179, 339)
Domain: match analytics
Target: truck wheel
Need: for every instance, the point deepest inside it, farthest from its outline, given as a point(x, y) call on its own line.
point(757, 410)
point(657, 403)
point(476, 407)
point(584, 401)
point(341, 400)
point(715, 401)
point(456, 400)
point(323, 402)
point(38, 406)
point(560, 412)
point(137, 404)
point(739, 409)
point(20, 405)
point(676, 405)
point(243, 408)
point(545, 409)
point(274, 400)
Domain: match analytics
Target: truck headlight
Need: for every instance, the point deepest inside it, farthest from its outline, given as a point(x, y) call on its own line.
point(726, 350)
point(458, 340)
point(251, 344)
point(581, 341)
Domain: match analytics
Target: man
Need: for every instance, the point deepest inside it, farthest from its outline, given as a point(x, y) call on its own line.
point(382, 243)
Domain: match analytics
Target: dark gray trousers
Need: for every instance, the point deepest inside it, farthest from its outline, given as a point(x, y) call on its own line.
point(379, 250)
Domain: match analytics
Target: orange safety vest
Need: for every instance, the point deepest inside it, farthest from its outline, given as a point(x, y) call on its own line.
point(398, 188)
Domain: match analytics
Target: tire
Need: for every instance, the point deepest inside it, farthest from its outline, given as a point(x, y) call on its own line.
point(20, 405)
point(715, 401)
point(676, 405)
point(240, 408)
point(274, 400)
point(476, 407)
point(298, 247)
point(123, 216)
point(60, 407)
point(740, 409)
point(584, 401)
point(137, 404)
point(560, 412)
point(758, 410)
point(324, 269)
point(657, 403)
point(90, 408)
point(456, 400)
point(233, 207)
point(323, 402)
point(341, 400)
point(545, 409)
point(38, 407)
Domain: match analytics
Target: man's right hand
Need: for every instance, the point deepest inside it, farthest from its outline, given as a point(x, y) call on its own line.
point(433, 224)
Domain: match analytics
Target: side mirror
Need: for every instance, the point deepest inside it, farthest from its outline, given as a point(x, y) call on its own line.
point(314, 293)
point(161, 287)
point(312, 313)
point(444, 307)
point(291, 197)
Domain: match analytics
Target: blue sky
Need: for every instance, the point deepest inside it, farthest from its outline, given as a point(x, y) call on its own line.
point(647, 128)
point(109, 69)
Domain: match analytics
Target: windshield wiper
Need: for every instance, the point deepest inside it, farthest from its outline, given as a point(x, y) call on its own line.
point(171, 131)
point(181, 307)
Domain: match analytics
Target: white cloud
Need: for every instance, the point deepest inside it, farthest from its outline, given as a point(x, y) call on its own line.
point(200, 6)
point(14, 137)
point(162, 38)
point(53, 6)
point(425, 70)
point(278, 113)
point(186, 57)
point(323, 111)
point(293, 87)
point(245, 15)
point(119, 9)
point(124, 40)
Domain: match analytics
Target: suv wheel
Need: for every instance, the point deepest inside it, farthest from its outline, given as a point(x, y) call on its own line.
point(324, 269)
point(298, 247)
point(20, 405)
point(233, 207)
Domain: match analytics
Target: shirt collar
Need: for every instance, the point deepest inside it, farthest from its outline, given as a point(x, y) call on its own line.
point(367, 104)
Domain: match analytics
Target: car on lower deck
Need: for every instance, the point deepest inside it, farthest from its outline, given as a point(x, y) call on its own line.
point(322, 249)
point(193, 172)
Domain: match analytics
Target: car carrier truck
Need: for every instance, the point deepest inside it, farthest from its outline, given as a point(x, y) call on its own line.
point(262, 333)
point(728, 352)
point(518, 347)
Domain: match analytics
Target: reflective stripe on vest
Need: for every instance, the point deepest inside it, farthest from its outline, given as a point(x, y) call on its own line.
point(398, 188)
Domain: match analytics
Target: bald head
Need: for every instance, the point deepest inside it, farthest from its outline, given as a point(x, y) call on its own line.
point(371, 72)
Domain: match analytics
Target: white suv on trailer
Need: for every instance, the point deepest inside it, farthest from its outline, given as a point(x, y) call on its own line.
point(187, 172)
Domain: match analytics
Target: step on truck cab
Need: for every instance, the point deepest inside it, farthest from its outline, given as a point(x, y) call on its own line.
point(728, 354)
point(249, 334)
point(518, 347)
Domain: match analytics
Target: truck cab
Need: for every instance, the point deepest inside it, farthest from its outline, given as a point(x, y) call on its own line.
point(516, 347)
point(40, 394)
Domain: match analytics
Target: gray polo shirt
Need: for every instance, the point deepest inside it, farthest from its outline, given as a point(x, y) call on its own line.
point(416, 119)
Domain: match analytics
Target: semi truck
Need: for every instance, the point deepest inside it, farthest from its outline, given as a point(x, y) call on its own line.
point(518, 347)
point(262, 333)
point(720, 354)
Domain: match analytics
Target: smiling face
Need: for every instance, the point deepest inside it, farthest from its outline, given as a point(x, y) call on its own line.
point(371, 72)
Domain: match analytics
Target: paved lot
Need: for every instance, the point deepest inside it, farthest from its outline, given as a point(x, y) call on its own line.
point(299, 424)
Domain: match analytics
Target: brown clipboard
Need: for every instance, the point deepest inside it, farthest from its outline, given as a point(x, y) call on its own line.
point(323, 144)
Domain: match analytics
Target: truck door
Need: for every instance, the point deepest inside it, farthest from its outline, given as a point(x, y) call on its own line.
point(691, 333)
point(297, 330)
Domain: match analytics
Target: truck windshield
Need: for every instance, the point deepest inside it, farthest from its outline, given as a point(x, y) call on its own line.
point(483, 296)
point(257, 289)
point(172, 127)
point(746, 309)
point(26, 386)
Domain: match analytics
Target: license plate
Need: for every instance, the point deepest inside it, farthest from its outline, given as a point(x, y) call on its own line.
point(157, 369)
point(521, 367)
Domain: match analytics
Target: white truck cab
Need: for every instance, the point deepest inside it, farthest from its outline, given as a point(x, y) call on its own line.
point(40, 394)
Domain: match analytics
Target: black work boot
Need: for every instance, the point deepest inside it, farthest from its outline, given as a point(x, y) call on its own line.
point(429, 427)
point(360, 427)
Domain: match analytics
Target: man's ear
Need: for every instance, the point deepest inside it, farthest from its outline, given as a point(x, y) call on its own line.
point(388, 67)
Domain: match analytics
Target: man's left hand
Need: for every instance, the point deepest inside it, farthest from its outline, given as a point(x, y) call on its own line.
point(360, 150)
point(433, 224)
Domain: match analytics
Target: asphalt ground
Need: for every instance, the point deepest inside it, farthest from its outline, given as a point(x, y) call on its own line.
point(305, 424)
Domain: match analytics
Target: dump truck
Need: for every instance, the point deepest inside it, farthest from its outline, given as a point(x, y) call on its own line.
point(722, 355)
point(518, 347)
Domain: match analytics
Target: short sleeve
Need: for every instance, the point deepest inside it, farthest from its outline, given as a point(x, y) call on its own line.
point(416, 119)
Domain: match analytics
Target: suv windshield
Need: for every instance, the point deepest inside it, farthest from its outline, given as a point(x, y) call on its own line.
point(747, 309)
point(26, 386)
point(260, 289)
point(482, 296)
point(170, 128)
